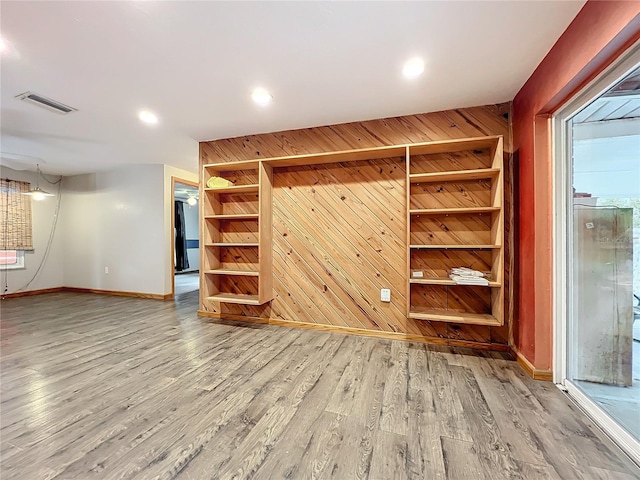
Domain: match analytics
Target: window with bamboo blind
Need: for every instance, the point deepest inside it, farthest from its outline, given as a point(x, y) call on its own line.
point(15, 210)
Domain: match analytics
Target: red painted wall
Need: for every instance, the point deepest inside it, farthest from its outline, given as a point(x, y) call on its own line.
point(597, 36)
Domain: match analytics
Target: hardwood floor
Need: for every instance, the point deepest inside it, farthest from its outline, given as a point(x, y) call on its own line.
point(116, 388)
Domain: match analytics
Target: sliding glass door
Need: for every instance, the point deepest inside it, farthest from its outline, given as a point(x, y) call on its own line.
point(598, 195)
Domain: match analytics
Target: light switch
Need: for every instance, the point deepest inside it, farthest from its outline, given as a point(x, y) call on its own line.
point(385, 295)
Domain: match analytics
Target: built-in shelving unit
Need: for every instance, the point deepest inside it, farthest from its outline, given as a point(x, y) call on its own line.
point(455, 218)
point(237, 257)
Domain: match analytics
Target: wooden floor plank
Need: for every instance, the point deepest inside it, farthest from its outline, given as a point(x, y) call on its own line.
point(394, 417)
point(463, 461)
point(424, 446)
point(487, 437)
point(389, 456)
point(450, 416)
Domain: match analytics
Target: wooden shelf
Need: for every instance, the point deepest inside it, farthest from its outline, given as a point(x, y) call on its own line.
point(239, 216)
point(244, 273)
point(453, 211)
point(455, 317)
point(448, 282)
point(459, 247)
point(340, 156)
point(478, 174)
point(354, 155)
point(252, 188)
point(232, 166)
point(314, 158)
point(230, 244)
point(460, 145)
point(235, 298)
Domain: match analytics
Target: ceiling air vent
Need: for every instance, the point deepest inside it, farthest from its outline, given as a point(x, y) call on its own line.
point(46, 103)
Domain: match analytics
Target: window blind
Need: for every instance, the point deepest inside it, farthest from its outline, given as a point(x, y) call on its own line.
point(15, 216)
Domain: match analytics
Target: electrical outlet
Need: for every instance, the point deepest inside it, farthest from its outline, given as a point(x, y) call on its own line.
point(385, 295)
point(106, 270)
point(417, 274)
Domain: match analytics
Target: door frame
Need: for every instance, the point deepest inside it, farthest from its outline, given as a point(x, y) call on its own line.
point(172, 260)
point(563, 246)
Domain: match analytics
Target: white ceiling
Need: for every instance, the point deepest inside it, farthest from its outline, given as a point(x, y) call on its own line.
point(195, 64)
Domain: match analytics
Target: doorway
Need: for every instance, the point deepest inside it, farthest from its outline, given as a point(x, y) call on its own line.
point(597, 251)
point(185, 237)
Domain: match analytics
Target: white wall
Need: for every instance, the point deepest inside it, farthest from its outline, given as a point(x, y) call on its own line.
point(115, 219)
point(120, 219)
point(80, 221)
point(51, 274)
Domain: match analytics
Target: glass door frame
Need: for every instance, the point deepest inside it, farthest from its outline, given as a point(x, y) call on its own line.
point(562, 166)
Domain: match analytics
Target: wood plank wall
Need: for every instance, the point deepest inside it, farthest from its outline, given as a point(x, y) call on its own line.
point(340, 229)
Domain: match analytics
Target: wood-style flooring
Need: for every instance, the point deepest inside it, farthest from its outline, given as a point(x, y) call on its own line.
point(99, 387)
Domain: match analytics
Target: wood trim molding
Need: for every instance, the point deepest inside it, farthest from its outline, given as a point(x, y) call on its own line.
point(533, 372)
point(33, 292)
point(360, 331)
point(155, 296)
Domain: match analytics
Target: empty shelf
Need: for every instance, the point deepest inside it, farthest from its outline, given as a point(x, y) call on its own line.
point(233, 166)
point(245, 273)
point(453, 176)
point(447, 281)
point(453, 211)
point(235, 216)
point(235, 298)
point(460, 247)
point(456, 317)
point(230, 244)
point(253, 188)
point(458, 145)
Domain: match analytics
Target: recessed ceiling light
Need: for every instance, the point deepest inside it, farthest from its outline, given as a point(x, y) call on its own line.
point(413, 68)
point(148, 117)
point(261, 96)
point(3, 46)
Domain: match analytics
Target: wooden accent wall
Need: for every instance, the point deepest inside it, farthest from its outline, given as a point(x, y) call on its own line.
point(339, 230)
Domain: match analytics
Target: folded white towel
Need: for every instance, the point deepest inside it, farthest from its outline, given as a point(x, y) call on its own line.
point(467, 272)
point(469, 280)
